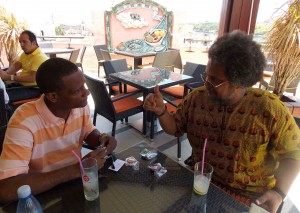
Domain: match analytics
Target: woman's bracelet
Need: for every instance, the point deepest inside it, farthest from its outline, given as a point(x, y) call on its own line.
point(164, 112)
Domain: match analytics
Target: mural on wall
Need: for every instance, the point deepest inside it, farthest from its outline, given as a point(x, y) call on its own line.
point(138, 26)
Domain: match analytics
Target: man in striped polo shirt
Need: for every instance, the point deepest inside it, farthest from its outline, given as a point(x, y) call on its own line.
point(41, 134)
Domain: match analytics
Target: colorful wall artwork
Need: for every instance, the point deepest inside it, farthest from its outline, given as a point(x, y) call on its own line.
point(138, 26)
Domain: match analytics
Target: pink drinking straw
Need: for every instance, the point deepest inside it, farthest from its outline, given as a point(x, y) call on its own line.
point(203, 155)
point(79, 160)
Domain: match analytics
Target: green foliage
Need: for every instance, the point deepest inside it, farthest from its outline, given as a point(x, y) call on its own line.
point(206, 27)
point(10, 30)
point(262, 28)
point(59, 31)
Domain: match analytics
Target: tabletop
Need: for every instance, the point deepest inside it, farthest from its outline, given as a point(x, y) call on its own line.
point(138, 191)
point(135, 54)
point(56, 50)
point(147, 78)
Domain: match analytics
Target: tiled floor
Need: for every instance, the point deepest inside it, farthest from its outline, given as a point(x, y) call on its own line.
point(128, 136)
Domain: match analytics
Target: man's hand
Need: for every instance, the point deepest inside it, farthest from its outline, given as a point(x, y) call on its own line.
point(4, 75)
point(109, 142)
point(271, 200)
point(154, 102)
point(99, 155)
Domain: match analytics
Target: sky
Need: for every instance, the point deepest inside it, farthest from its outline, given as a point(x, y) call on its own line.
point(39, 12)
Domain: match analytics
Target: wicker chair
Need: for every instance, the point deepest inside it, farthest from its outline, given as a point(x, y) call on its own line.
point(81, 54)
point(191, 69)
point(114, 66)
point(74, 56)
point(20, 95)
point(113, 109)
point(166, 60)
point(292, 86)
point(100, 58)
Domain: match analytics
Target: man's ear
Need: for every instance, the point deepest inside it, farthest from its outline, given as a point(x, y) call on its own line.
point(52, 96)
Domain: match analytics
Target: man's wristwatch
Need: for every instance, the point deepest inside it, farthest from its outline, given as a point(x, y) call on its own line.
point(99, 138)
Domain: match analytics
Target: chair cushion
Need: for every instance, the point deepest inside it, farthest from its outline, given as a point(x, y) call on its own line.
point(129, 88)
point(172, 108)
point(126, 104)
point(175, 91)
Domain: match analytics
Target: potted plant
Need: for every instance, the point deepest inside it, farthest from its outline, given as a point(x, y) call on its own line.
point(283, 46)
point(10, 30)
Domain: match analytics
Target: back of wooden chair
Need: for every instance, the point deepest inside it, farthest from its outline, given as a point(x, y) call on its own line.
point(97, 49)
point(74, 56)
point(105, 55)
point(292, 86)
point(81, 54)
point(168, 60)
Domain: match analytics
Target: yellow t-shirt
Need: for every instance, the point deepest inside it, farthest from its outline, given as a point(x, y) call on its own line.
point(31, 62)
point(246, 141)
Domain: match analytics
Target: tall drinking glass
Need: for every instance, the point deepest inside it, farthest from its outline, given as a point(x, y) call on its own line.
point(90, 179)
point(202, 181)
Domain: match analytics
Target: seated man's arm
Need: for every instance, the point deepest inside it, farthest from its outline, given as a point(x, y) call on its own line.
point(95, 139)
point(26, 78)
point(38, 182)
point(12, 70)
point(285, 176)
point(6, 76)
point(154, 102)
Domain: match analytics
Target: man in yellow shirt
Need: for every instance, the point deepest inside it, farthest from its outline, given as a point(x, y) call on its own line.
point(29, 61)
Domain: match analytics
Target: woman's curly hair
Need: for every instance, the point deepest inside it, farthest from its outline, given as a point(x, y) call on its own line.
point(244, 62)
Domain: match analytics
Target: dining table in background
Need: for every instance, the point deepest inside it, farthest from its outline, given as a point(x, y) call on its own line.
point(137, 56)
point(146, 79)
point(52, 52)
point(140, 190)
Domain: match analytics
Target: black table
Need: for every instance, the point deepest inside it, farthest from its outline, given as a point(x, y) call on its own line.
point(137, 56)
point(146, 79)
point(138, 191)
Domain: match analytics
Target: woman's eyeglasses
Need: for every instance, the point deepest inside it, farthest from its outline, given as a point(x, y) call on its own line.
point(204, 78)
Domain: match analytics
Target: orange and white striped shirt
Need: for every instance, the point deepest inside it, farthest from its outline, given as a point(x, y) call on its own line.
point(38, 141)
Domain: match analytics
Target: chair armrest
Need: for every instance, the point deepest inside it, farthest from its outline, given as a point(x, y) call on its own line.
point(114, 99)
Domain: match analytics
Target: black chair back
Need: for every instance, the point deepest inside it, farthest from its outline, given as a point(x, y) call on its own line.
point(103, 103)
point(21, 94)
point(114, 66)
